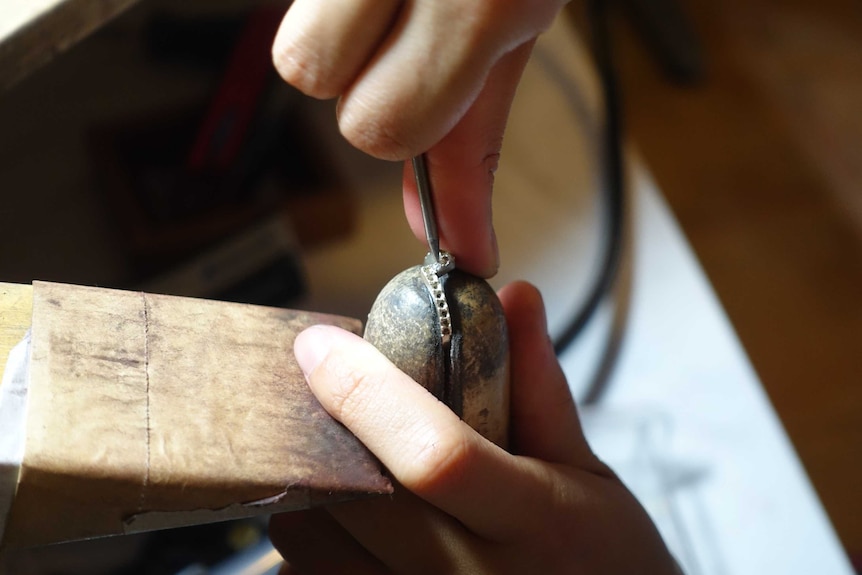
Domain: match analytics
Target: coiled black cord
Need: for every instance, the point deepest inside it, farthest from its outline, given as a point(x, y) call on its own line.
point(613, 172)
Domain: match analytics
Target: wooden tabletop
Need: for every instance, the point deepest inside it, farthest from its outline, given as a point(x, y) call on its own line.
point(33, 31)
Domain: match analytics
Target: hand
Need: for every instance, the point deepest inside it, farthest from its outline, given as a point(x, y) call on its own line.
point(462, 504)
point(421, 75)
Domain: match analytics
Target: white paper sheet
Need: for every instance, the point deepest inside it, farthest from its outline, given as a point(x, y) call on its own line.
point(13, 414)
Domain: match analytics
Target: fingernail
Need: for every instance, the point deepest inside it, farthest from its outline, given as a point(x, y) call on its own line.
point(495, 249)
point(494, 162)
point(311, 347)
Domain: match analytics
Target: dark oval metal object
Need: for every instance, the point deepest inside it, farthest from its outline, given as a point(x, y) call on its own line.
point(470, 373)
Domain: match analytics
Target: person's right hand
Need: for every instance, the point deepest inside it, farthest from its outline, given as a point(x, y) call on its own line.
point(414, 76)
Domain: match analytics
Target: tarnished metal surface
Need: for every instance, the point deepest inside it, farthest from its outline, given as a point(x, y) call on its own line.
point(471, 372)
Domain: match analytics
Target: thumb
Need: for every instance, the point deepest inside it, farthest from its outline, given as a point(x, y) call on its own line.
point(462, 166)
point(544, 418)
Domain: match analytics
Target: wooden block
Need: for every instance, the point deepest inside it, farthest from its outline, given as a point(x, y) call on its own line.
point(149, 411)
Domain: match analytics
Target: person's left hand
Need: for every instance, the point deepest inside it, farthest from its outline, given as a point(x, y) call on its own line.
point(462, 504)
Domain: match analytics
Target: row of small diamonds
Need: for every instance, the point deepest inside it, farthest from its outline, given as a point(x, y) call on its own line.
point(432, 280)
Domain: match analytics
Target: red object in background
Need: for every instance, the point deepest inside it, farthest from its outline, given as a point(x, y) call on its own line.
point(232, 110)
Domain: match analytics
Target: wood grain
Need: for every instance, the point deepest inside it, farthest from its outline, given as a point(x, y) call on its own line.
point(145, 406)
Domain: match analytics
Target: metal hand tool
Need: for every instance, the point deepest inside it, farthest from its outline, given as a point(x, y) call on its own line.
point(426, 201)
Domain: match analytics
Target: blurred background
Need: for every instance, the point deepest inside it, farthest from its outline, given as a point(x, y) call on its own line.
point(759, 153)
point(127, 155)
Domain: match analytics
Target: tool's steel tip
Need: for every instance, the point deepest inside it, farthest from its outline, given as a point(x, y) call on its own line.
point(423, 185)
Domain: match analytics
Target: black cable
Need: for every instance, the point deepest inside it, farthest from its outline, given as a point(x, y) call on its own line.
point(613, 175)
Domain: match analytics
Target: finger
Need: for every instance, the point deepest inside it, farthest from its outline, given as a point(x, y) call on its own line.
point(420, 440)
point(544, 418)
point(462, 167)
point(322, 45)
point(313, 543)
point(429, 70)
point(407, 534)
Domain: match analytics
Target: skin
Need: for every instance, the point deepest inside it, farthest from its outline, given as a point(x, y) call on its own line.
point(435, 76)
point(439, 76)
point(463, 505)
